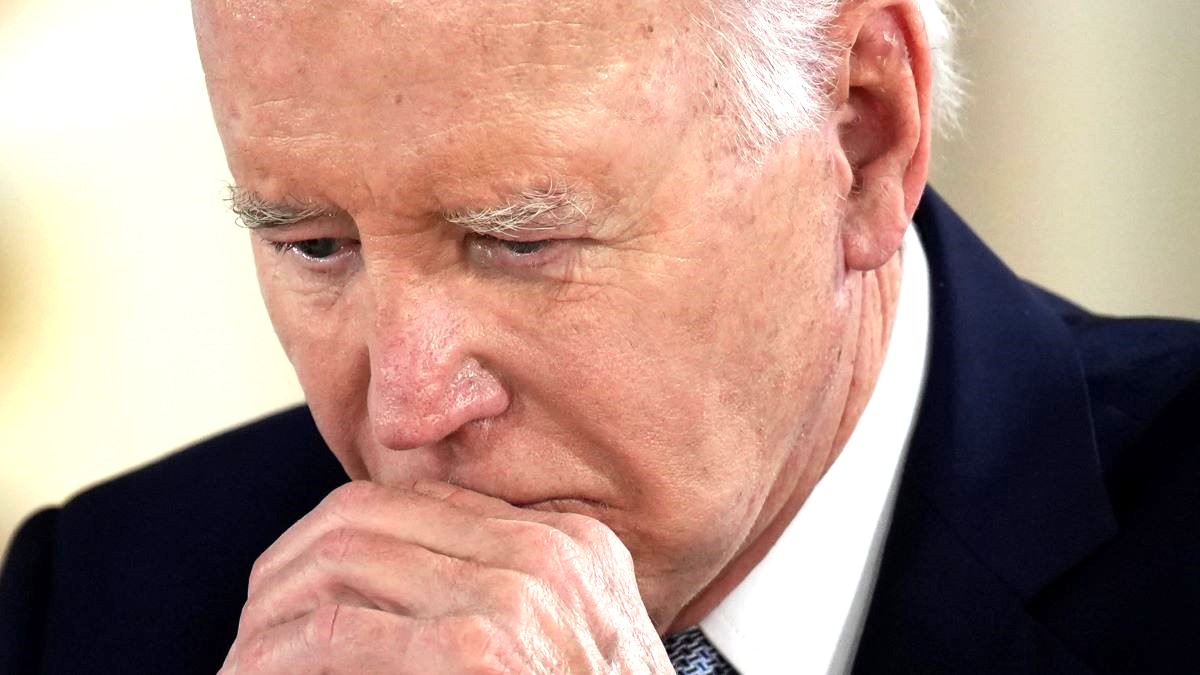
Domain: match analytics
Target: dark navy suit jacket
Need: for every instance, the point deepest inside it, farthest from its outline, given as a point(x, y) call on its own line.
point(1048, 519)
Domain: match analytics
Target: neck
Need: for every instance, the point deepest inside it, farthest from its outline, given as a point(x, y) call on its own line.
point(866, 338)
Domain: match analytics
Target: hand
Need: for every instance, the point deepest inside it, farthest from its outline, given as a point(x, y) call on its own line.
point(440, 579)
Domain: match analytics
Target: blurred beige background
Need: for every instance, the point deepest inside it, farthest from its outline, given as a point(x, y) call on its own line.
point(130, 323)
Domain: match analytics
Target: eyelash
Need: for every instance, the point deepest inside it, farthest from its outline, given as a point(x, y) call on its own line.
point(487, 248)
point(485, 245)
point(294, 247)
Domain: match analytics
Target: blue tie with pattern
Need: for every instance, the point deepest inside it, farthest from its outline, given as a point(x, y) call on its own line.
point(692, 654)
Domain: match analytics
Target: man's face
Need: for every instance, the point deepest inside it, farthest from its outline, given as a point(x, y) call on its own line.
point(661, 362)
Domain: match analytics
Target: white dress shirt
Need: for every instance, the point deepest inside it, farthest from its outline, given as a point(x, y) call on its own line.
point(801, 609)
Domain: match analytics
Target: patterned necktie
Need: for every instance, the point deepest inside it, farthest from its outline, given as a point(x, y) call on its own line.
point(692, 654)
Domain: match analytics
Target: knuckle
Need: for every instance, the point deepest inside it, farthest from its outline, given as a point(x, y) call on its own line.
point(598, 537)
point(349, 498)
point(550, 544)
point(479, 645)
point(251, 617)
point(252, 656)
point(342, 629)
point(548, 553)
point(517, 594)
point(334, 546)
point(473, 634)
point(259, 571)
point(326, 626)
point(319, 626)
point(589, 531)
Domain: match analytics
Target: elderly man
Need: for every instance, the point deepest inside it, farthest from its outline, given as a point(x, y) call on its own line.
point(613, 316)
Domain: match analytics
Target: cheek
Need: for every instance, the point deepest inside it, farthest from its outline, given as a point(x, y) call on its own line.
point(746, 343)
point(317, 330)
point(659, 379)
point(643, 403)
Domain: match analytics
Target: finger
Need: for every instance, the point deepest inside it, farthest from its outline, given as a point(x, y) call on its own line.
point(367, 507)
point(368, 570)
point(561, 549)
point(475, 502)
point(534, 543)
point(493, 507)
point(334, 638)
point(586, 530)
point(346, 639)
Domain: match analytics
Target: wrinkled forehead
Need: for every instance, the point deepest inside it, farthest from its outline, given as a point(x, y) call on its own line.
point(419, 36)
point(419, 60)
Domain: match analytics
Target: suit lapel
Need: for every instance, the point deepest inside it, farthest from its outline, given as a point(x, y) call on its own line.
point(1002, 490)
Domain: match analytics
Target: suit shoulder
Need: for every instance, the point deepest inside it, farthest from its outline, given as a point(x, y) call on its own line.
point(270, 457)
point(149, 568)
point(1140, 374)
point(1140, 353)
point(1144, 384)
point(24, 593)
point(1135, 366)
point(240, 487)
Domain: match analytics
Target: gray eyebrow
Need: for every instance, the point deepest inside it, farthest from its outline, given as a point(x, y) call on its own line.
point(256, 213)
point(531, 210)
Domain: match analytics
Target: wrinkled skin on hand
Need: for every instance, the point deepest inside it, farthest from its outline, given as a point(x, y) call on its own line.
point(439, 579)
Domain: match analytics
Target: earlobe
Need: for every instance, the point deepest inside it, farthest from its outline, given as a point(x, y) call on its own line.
point(881, 120)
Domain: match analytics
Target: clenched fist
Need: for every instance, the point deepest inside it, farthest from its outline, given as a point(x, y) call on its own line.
point(439, 579)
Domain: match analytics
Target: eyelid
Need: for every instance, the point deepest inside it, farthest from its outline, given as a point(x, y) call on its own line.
point(294, 246)
point(288, 250)
point(529, 232)
point(487, 250)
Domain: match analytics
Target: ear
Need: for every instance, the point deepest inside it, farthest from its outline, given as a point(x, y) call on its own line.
point(881, 120)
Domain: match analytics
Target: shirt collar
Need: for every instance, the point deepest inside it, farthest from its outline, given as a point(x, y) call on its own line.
point(802, 608)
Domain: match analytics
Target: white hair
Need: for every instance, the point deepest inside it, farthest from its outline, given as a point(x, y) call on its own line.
point(777, 57)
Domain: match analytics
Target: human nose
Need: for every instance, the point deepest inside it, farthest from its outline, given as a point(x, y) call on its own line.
point(425, 384)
